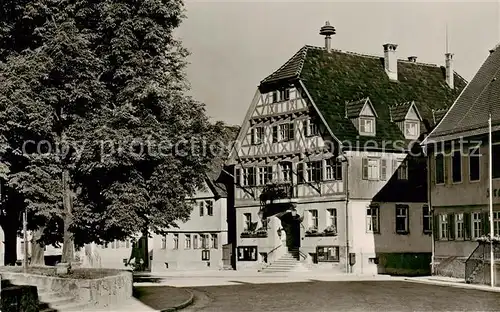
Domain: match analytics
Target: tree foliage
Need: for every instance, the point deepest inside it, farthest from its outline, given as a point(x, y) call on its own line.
point(98, 90)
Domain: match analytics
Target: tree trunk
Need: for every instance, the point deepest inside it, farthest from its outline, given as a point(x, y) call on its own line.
point(10, 236)
point(68, 246)
point(37, 249)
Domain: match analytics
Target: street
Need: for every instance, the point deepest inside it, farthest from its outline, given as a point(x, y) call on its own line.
point(342, 296)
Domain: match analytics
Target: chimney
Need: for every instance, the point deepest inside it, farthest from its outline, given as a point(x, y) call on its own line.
point(449, 70)
point(412, 59)
point(391, 61)
point(327, 31)
point(491, 51)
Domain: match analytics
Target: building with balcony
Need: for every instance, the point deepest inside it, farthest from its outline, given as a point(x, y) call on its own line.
point(458, 153)
point(322, 170)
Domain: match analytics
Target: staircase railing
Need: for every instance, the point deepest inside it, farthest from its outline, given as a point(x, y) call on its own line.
point(475, 260)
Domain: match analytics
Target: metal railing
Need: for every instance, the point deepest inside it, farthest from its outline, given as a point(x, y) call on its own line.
point(477, 261)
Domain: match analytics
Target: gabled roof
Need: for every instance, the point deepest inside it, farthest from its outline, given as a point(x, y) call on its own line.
point(336, 77)
point(213, 178)
point(398, 112)
point(353, 109)
point(469, 114)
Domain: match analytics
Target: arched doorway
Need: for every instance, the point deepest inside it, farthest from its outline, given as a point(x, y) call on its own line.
point(291, 225)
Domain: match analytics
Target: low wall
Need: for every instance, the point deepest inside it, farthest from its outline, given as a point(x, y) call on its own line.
point(404, 264)
point(97, 287)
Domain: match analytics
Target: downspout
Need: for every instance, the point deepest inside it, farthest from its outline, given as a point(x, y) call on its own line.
point(431, 211)
point(347, 213)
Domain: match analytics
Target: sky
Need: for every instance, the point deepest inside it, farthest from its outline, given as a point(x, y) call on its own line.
point(235, 44)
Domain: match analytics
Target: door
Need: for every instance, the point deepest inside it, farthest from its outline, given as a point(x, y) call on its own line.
point(226, 256)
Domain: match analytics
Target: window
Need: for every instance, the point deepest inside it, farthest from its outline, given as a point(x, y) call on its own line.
point(402, 224)
point(456, 166)
point(327, 253)
point(195, 241)
point(314, 171)
point(412, 130)
point(187, 241)
point(427, 219)
point(496, 161)
point(383, 169)
point(372, 219)
point(249, 176)
point(476, 225)
point(275, 96)
point(371, 169)
point(204, 241)
point(331, 217)
point(333, 169)
point(496, 223)
point(247, 253)
point(258, 135)
point(285, 171)
point(443, 226)
point(275, 134)
point(202, 208)
point(176, 241)
point(286, 132)
point(205, 255)
point(248, 221)
point(402, 166)
point(285, 94)
point(237, 175)
point(210, 207)
point(459, 226)
point(313, 219)
point(164, 242)
point(214, 242)
point(440, 169)
point(474, 160)
point(265, 175)
point(367, 125)
point(300, 173)
point(310, 128)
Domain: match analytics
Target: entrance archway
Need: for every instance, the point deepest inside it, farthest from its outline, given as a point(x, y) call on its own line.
point(291, 226)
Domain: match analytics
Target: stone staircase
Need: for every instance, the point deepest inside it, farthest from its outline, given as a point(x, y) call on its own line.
point(289, 262)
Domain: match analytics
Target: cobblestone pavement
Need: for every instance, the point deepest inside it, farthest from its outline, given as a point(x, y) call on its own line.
point(342, 296)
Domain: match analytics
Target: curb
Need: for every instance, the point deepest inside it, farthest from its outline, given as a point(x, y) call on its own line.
point(182, 305)
point(456, 285)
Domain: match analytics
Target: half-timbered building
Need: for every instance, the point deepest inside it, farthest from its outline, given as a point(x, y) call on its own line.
point(322, 174)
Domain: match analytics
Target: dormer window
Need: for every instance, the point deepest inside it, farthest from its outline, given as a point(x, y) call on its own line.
point(367, 125)
point(362, 114)
point(412, 129)
point(408, 119)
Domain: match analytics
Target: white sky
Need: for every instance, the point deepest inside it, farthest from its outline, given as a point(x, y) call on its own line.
point(235, 44)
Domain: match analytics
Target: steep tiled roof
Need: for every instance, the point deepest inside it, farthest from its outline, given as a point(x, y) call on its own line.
point(438, 114)
point(398, 112)
point(353, 109)
point(334, 78)
point(227, 136)
point(469, 114)
point(290, 69)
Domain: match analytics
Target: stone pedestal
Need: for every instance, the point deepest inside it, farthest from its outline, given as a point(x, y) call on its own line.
point(62, 268)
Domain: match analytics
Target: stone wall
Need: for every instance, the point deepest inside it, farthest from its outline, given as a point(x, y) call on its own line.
point(113, 287)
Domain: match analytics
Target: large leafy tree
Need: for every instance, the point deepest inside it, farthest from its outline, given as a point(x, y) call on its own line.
point(104, 82)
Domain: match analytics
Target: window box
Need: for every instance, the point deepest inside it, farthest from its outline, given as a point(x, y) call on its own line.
point(329, 231)
point(260, 233)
